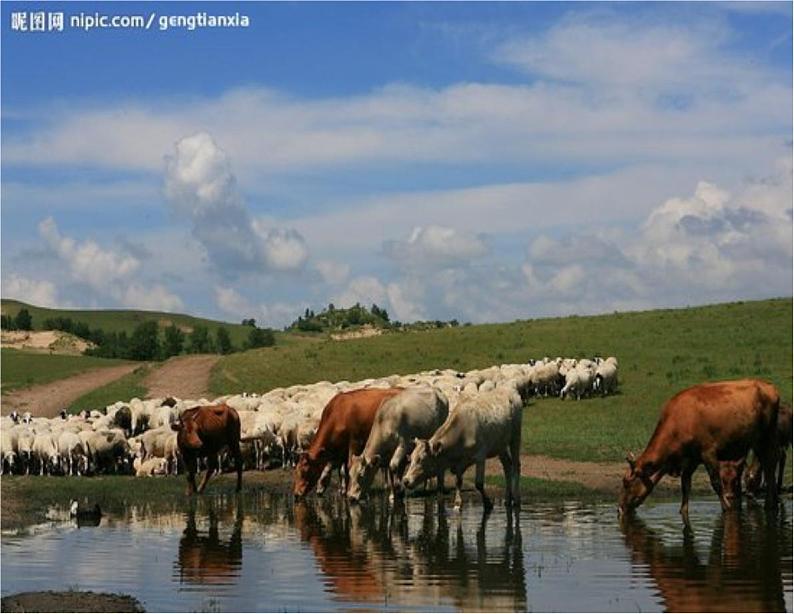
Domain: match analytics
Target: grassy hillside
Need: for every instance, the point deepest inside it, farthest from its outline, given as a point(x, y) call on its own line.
point(21, 369)
point(111, 320)
point(660, 352)
point(125, 388)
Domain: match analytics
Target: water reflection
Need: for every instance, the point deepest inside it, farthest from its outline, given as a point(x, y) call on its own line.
point(206, 558)
point(264, 551)
point(742, 570)
point(368, 554)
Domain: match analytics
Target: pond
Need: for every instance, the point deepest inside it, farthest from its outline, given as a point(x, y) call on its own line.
point(262, 551)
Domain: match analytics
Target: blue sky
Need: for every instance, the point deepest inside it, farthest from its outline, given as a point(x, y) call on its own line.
point(483, 161)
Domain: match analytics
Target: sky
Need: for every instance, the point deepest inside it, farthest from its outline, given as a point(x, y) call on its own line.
point(479, 161)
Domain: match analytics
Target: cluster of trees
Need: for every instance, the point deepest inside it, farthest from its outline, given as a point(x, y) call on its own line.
point(146, 341)
point(332, 318)
point(22, 321)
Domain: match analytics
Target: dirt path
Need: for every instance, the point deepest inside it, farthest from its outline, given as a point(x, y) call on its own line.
point(186, 377)
point(605, 477)
point(48, 399)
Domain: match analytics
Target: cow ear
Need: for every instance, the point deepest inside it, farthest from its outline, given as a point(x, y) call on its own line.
point(435, 447)
point(175, 426)
point(631, 460)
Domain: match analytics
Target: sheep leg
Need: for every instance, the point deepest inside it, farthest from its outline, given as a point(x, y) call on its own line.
point(507, 467)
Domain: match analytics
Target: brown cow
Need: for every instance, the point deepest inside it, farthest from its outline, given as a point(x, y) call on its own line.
point(203, 432)
point(343, 431)
point(706, 424)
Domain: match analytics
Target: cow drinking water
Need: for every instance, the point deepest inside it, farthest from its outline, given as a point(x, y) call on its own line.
point(706, 424)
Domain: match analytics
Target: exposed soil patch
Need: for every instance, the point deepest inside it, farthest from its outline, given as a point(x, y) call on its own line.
point(53, 341)
point(186, 377)
point(48, 399)
point(603, 477)
point(365, 331)
point(70, 601)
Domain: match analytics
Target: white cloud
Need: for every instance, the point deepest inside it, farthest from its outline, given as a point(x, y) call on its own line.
point(201, 188)
point(279, 313)
point(151, 298)
point(36, 292)
point(107, 272)
point(433, 244)
point(232, 302)
point(404, 308)
point(365, 290)
point(333, 273)
point(87, 261)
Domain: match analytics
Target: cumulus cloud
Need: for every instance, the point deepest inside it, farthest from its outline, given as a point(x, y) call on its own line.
point(202, 189)
point(87, 261)
point(151, 298)
point(333, 273)
point(107, 272)
point(36, 292)
point(365, 289)
point(403, 306)
point(433, 244)
point(232, 302)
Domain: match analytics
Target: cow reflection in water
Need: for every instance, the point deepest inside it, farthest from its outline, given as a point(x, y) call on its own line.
point(367, 555)
point(205, 558)
point(742, 572)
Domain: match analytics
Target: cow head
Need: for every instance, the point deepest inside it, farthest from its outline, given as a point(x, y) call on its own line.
point(187, 436)
point(362, 472)
point(731, 483)
point(424, 462)
point(307, 472)
point(638, 482)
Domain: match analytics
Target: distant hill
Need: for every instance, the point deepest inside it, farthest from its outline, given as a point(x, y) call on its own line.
point(112, 320)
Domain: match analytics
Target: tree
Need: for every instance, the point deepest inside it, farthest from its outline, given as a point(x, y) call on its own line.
point(174, 340)
point(249, 322)
point(260, 337)
point(200, 340)
point(223, 342)
point(23, 320)
point(144, 341)
point(7, 323)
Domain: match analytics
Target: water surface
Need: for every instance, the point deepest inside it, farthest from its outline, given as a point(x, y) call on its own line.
point(264, 552)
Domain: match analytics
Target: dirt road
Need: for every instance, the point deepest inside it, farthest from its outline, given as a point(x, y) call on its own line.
point(186, 377)
point(48, 399)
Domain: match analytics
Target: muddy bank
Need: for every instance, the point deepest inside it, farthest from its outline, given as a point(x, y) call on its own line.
point(70, 601)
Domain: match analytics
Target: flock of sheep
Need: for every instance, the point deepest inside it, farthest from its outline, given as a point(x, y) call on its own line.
point(136, 436)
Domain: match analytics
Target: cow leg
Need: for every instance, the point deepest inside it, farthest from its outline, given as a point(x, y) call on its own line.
point(440, 483)
point(767, 453)
point(479, 483)
point(238, 465)
point(781, 466)
point(191, 464)
point(212, 465)
point(458, 488)
point(507, 467)
point(515, 456)
point(686, 487)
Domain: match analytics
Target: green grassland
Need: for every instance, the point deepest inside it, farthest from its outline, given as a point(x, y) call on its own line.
point(21, 369)
point(111, 320)
point(123, 389)
point(660, 352)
